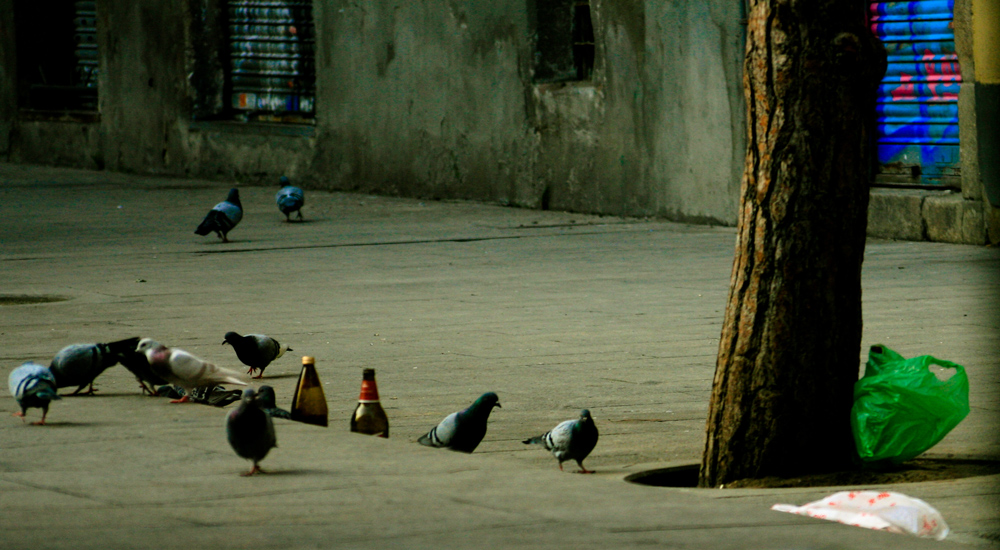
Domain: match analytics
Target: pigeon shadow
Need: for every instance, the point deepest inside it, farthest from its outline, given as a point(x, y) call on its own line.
point(66, 424)
point(277, 376)
point(295, 472)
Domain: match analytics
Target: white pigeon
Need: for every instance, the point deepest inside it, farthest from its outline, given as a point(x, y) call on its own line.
point(180, 368)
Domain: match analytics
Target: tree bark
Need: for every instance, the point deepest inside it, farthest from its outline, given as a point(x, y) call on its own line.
point(790, 344)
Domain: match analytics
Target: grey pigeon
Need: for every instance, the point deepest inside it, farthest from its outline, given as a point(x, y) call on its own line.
point(137, 364)
point(33, 386)
point(180, 368)
point(289, 198)
point(268, 403)
point(250, 431)
point(463, 430)
point(79, 364)
point(572, 439)
point(255, 350)
point(223, 217)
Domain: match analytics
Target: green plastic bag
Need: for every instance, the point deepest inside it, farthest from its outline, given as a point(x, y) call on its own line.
point(901, 408)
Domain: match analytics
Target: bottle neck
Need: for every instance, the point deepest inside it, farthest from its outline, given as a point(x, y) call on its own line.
point(369, 392)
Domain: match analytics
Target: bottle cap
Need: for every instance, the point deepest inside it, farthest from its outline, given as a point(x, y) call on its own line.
point(307, 360)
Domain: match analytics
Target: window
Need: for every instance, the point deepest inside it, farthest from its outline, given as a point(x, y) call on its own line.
point(271, 69)
point(56, 48)
point(583, 40)
point(564, 40)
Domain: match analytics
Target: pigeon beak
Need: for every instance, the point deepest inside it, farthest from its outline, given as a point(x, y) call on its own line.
point(498, 405)
point(224, 342)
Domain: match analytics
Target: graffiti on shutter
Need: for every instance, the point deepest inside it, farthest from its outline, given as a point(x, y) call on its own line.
point(917, 112)
point(272, 70)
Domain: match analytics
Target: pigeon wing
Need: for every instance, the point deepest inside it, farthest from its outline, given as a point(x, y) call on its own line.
point(559, 439)
point(191, 372)
point(76, 365)
point(442, 434)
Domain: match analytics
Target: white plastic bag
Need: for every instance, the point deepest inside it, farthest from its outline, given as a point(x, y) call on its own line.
point(893, 512)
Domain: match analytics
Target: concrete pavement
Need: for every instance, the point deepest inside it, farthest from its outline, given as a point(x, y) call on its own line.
point(553, 311)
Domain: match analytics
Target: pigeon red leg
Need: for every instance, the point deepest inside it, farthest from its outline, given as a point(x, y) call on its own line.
point(255, 470)
point(184, 399)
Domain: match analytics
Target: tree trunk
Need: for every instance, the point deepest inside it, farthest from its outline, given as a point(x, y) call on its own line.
point(788, 354)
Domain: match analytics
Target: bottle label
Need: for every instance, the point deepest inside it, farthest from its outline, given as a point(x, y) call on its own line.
point(369, 392)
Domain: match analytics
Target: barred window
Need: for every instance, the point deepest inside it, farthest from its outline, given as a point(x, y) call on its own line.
point(271, 73)
point(57, 61)
point(563, 34)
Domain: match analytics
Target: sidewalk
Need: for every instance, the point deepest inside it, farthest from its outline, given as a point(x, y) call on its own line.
point(553, 311)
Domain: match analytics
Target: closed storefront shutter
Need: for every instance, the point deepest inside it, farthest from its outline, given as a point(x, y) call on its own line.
point(917, 111)
point(272, 70)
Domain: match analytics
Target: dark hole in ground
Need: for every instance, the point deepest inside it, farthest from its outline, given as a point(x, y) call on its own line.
point(20, 300)
point(914, 471)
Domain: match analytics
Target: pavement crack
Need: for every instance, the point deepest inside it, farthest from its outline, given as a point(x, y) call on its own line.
point(401, 242)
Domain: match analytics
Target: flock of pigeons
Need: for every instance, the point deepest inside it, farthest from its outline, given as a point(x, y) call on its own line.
point(223, 217)
point(249, 426)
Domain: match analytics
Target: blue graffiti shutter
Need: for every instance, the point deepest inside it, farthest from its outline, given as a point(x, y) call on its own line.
point(272, 69)
point(918, 98)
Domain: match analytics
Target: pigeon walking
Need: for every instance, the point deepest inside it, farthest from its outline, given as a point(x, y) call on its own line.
point(255, 350)
point(289, 198)
point(268, 403)
point(572, 439)
point(463, 430)
point(33, 386)
point(180, 368)
point(136, 362)
point(80, 364)
point(223, 217)
point(250, 431)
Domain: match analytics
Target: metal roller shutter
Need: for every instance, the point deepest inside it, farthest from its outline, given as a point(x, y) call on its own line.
point(272, 68)
point(917, 108)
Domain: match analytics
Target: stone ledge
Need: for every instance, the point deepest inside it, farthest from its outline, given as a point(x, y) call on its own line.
point(925, 215)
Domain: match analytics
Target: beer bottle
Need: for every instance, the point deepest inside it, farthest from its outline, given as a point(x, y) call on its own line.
point(309, 401)
point(369, 417)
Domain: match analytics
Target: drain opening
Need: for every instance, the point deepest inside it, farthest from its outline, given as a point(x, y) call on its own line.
point(678, 476)
point(914, 471)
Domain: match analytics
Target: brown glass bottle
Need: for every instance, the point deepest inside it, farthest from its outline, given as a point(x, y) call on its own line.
point(369, 416)
point(309, 401)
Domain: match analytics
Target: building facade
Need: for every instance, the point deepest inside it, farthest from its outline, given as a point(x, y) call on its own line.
point(619, 107)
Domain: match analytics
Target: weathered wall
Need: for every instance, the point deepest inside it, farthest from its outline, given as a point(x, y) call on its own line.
point(434, 99)
point(423, 98)
point(695, 87)
point(143, 99)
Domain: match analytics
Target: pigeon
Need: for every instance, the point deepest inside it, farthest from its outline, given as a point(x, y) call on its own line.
point(289, 198)
point(250, 431)
point(572, 439)
point(463, 430)
point(80, 364)
point(255, 350)
point(267, 403)
point(33, 385)
point(223, 217)
point(137, 364)
point(180, 368)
